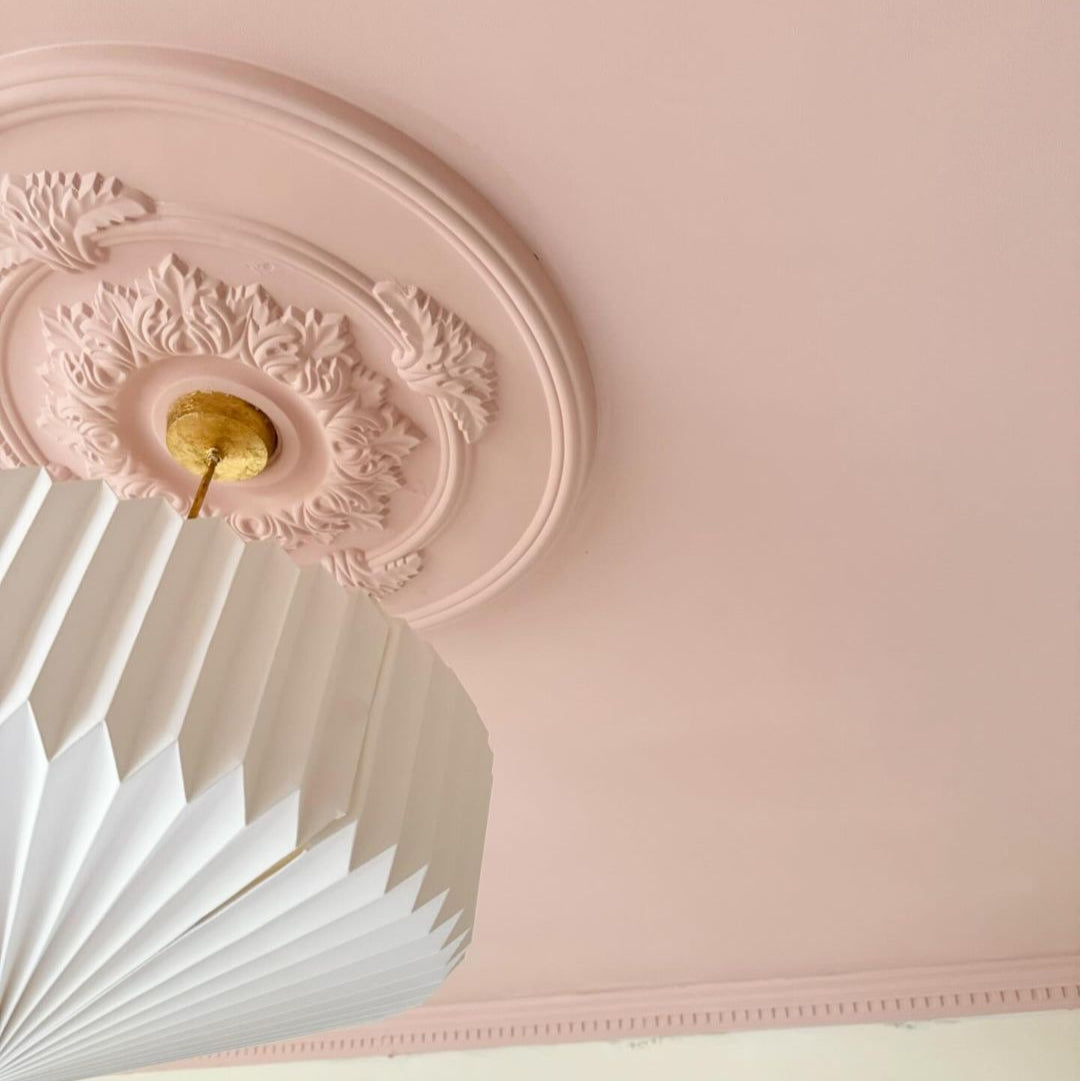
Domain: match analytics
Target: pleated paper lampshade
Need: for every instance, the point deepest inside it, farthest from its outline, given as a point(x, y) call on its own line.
point(237, 803)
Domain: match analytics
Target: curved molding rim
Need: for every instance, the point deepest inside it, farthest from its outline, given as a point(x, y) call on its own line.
point(72, 77)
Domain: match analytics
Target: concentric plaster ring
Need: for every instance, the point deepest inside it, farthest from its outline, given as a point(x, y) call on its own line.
point(411, 221)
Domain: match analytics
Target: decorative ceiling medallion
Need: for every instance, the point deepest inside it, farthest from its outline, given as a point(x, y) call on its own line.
point(434, 435)
point(177, 311)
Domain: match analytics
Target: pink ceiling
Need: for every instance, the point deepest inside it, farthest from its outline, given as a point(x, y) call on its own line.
point(796, 692)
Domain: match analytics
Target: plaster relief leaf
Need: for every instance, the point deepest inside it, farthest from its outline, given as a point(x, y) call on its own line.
point(321, 337)
point(54, 217)
point(91, 354)
point(180, 311)
point(8, 458)
point(352, 570)
point(441, 357)
point(396, 437)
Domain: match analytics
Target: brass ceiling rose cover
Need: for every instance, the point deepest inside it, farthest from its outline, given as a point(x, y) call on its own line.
point(238, 434)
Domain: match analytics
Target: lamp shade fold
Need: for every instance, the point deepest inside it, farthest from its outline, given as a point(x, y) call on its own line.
point(237, 803)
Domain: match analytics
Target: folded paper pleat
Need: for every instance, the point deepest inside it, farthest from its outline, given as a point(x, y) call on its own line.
point(237, 804)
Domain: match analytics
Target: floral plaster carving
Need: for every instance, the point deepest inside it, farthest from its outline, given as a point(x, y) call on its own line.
point(441, 357)
point(8, 458)
point(350, 565)
point(176, 311)
point(52, 217)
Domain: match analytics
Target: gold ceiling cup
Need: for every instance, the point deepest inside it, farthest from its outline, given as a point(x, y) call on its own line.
point(212, 426)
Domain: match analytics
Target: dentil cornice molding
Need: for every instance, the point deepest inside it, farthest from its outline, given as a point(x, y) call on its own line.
point(897, 996)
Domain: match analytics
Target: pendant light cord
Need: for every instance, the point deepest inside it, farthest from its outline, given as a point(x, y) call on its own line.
point(213, 456)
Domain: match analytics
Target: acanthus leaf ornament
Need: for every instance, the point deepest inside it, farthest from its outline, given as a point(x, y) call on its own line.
point(351, 567)
point(95, 348)
point(441, 358)
point(8, 458)
point(53, 217)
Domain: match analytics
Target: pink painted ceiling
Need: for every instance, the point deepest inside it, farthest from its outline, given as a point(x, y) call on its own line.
point(795, 693)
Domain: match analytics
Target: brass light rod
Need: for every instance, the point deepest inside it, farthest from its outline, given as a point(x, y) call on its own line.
point(213, 456)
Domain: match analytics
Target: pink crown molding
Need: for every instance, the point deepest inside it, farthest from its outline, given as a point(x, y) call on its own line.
point(69, 80)
point(896, 996)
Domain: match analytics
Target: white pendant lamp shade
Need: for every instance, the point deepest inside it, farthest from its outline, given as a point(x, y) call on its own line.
point(237, 803)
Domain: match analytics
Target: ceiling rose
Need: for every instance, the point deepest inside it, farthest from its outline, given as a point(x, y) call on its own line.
point(281, 245)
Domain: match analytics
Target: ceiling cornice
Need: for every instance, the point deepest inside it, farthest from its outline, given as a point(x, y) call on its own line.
point(913, 994)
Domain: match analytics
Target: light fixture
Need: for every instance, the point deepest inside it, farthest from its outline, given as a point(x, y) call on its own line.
point(238, 803)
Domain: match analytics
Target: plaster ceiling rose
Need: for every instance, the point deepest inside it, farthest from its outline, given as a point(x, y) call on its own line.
point(241, 232)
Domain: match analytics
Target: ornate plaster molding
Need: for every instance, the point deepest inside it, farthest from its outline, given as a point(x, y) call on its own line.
point(95, 348)
point(351, 566)
point(49, 95)
point(9, 459)
point(53, 217)
point(441, 357)
point(898, 996)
